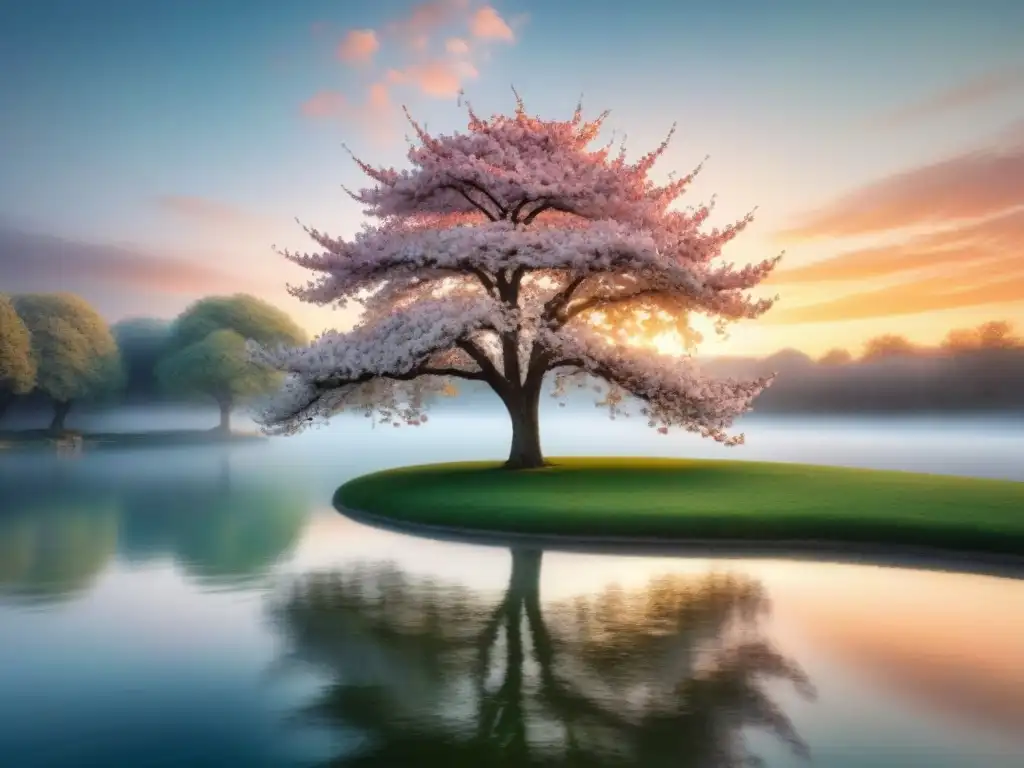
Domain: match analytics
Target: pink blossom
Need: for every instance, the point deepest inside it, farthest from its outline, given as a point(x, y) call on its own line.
point(508, 251)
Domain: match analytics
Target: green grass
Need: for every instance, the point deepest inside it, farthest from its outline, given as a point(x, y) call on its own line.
point(691, 499)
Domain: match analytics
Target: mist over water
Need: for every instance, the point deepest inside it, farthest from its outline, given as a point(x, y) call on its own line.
point(988, 445)
point(171, 607)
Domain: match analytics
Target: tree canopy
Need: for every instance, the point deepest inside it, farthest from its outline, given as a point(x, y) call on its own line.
point(17, 365)
point(207, 352)
point(995, 334)
point(887, 345)
point(509, 251)
point(75, 354)
point(248, 316)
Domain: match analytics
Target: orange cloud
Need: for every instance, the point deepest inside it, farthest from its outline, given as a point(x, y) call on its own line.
point(205, 212)
point(997, 281)
point(487, 24)
point(457, 46)
point(378, 101)
point(985, 87)
point(965, 187)
point(372, 114)
point(358, 46)
point(424, 19)
point(957, 247)
point(438, 74)
point(324, 104)
point(441, 78)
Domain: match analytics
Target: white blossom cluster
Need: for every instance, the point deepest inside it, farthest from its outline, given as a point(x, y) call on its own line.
point(491, 256)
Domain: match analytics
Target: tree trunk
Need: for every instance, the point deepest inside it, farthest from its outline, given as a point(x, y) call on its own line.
point(523, 408)
point(60, 415)
point(225, 415)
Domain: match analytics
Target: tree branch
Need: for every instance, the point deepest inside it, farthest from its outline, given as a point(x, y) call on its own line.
point(329, 384)
point(515, 281)
point(491, 374)
point(547, 205)
point(514, 216)
point(598, 302)
point(456, 373)
point(537, 212)
point(555, 304)
point(568, 362)
point(471, 201)
point(483, 277)
point(502, 210)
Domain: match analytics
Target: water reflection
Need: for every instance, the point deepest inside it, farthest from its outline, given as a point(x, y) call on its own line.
point(62, 525)
point(429, 674)
point(54, 544)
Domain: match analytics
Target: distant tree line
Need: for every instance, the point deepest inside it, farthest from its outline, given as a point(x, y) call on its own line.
point(56, 349)
point(973, 369)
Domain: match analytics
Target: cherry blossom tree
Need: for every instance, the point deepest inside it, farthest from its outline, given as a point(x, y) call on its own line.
point(507, 252)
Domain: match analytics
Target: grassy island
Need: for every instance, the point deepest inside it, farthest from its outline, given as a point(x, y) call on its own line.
point(679, 500)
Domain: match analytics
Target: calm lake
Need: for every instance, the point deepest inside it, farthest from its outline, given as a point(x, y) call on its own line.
point(208, 607)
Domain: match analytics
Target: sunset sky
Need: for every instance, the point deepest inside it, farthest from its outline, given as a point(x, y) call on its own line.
point(154, 152)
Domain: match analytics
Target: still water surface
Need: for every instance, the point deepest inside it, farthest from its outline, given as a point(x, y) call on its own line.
point(209, 608)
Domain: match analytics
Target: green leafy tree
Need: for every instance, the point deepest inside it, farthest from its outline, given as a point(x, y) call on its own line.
point(208, 356)
point(249, 317)
point(17, 366)
point(75, 354)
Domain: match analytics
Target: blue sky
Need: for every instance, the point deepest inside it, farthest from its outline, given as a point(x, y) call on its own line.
point(176, 132)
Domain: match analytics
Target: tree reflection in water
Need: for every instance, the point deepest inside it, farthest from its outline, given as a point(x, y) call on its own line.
point(426, 674)
point(61, 526)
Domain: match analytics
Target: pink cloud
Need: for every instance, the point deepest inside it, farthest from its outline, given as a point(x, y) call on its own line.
point(441, 78)
point(486, 23)
point(457, 46)
point(31, 261)
point(968, 186)
point(985, 87)
point(358, 46)
point(378, 99)
point(433, 73)
point(372, 113)
point(324, 104)
point(425, 18)
point(205, 212)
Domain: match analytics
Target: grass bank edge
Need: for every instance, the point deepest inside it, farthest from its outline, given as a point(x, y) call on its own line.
point(688, 499)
